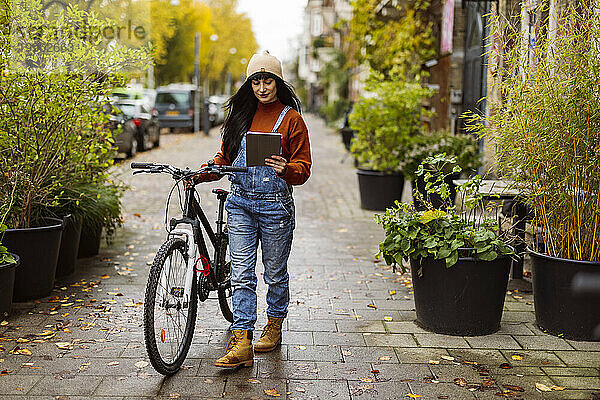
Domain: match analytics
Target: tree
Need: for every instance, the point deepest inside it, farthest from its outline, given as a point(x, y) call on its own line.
point(176, 32)
point(396, 47)
point(235, 43)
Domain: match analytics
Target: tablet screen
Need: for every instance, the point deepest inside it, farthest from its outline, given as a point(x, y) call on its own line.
point(261, 145)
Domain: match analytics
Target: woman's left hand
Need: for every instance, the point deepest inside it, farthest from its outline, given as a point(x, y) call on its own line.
point(278, 163)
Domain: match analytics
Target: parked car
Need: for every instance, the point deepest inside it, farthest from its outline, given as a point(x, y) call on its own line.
point(146, 121)
point(175, 106)
point(216, 113)
point(125, 132)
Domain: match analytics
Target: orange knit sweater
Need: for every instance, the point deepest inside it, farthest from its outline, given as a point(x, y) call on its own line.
point(295, 144)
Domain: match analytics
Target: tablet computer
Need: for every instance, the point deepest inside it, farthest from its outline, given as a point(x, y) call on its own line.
point(261, 145)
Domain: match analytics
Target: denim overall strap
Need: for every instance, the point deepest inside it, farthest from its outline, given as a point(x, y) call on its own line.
point(277, 124)
point(281, 117)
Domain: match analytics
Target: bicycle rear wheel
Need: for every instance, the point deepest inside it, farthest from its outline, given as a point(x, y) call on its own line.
point(170, 308)
point(225, 294)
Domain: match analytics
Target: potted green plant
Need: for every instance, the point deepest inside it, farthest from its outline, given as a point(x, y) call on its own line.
point(8, 263)
point(547, 139)
point(386, 120)
point(464, 147)
point(101, 206)
point(52, 136)
point(459, 261)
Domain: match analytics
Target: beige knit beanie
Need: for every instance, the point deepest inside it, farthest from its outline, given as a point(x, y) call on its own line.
point(264, 62)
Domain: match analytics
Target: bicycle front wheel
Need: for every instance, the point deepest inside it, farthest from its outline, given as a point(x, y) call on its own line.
point(170, 308)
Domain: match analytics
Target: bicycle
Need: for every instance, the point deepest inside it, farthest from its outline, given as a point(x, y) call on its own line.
point(182, 272)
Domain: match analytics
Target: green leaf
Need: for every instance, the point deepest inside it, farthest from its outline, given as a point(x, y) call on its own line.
point(432, 215)
point(456, 244)
point(488, 256)
point(444, 252)
point(452, 259)
point(431, 242)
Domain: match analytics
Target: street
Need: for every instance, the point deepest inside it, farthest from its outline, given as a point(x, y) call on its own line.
point(350, 332)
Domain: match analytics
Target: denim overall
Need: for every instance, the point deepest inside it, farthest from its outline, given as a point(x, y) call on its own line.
point(259, 208)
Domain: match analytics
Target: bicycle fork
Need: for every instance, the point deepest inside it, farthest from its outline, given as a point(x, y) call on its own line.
point(180, 296)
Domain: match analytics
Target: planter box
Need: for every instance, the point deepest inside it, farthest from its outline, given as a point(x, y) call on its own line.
point(379, 190)
point(38, 249)
point(466, 299)
point(7, 281)
point(89, 243)
point(69, 245)
point(558, 310)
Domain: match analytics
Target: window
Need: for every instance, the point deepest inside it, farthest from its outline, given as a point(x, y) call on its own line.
point(316, 24)
point(180, 99)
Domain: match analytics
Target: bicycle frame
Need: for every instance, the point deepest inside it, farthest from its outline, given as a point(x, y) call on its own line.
point(194, 215)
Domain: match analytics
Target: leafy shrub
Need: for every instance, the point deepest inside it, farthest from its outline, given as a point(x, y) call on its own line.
point(441, 233)
point(387, 119)
point(546, 129)
point(53, 135)
point(463, 147)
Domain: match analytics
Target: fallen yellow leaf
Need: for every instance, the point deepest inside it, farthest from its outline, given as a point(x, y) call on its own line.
point(388, 319)
point(542, 387)
point(22, 352)
point(554, 387)
point(413, 396)
point(105, 276)
point(64, 345)
point(253, 380)
point(372, 306)
point(517, 357)
point(434, 362)
point(272, 392)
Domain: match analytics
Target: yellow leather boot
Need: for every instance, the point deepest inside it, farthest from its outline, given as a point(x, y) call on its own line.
point(271, 335)
point(239, 351)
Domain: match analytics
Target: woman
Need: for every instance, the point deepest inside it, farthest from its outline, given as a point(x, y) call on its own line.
point(260, 206)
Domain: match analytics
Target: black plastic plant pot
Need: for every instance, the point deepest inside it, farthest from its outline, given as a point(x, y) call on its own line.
point(89, 243)
point(559, 310)
point(464, 300)
point(69, 246)
point(38, 248)
point(379, 190)
point(7, 281)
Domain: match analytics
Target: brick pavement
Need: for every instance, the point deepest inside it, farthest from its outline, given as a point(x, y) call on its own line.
point(346, 337)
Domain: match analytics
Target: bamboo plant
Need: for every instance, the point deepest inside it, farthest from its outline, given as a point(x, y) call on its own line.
point(546, 128)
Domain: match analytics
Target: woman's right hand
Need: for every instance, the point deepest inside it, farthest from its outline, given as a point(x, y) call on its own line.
point(194, 179)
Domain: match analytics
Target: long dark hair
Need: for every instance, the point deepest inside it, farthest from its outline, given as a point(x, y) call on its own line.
point(242, 106)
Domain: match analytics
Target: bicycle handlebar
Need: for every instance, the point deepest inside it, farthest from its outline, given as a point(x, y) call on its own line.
point(178, 173)
point(142, 165)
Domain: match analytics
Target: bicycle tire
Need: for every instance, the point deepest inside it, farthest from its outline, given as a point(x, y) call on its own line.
point(223, 275)
point(162, 364)
point(225, 297)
